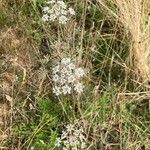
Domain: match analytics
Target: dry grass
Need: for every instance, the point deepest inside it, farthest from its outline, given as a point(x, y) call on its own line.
point(109, 38)
point(134, 17)
point(4, 115)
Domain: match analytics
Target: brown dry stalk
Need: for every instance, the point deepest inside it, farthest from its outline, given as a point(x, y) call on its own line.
point(134, 17)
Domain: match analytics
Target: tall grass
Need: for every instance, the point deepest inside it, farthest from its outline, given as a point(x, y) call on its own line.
point(133, 15)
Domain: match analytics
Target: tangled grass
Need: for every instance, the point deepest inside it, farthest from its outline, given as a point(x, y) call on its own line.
point(111, 40)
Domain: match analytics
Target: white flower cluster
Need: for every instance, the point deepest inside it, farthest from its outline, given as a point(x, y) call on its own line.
point(57, 10)
point(67, 77)
point(72, 138)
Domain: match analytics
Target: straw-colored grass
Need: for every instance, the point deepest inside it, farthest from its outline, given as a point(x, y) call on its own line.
point(133, 15)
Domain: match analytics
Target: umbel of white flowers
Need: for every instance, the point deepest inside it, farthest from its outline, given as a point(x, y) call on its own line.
point(67, 77)
point(72, 138)
point(57, 10)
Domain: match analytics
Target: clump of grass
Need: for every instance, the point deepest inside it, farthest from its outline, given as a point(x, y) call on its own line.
point(37, 126)
point(134, 18)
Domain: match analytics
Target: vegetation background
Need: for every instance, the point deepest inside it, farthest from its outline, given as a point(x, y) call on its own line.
point(111, 38)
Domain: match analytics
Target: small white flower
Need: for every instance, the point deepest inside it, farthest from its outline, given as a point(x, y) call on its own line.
point(71, 79)
point(67, 77)
point(66, 89)
point(73, 140)
point(70, 140)
point(51, 2)
point(65, 61)
point(65, 72)
point(77, 132)
point(57, 90)
point(62, 81)
point(71, 66)
point(78, 87)
point(58, 142)
point(56, 69)
point(55, 78)
point(66, 142)
point(57, 10)
point(45, 17)
point(64, 135)
point(63, 19)
point(50, 12)
point(69, 128)
point(79, 72)
point(52, 17)
point(46, 9)
point(62, 4)
point(63, 12)
point(71, 11)
point(81, 130)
